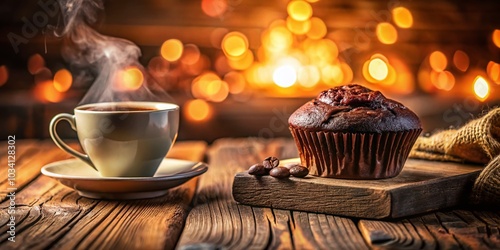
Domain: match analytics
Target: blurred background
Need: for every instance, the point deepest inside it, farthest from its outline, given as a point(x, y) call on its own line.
point(240, 68)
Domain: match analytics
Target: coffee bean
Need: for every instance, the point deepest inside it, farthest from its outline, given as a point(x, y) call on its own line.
point(271, 162)
point(299, 171)
point(257, 169)
point(280, 172)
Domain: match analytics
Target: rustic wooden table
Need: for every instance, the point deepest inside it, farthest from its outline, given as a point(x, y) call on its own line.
point(202, 214)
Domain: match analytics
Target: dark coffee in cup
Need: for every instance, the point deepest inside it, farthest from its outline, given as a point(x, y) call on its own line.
point(119, 108)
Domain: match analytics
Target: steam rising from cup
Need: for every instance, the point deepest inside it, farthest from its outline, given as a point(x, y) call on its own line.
point(114, 61)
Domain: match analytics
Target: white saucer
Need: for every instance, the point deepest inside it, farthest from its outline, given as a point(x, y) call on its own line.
point(88, 183)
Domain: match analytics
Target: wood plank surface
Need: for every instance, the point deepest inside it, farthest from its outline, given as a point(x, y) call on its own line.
point(50, 215)
point(387, 198)
point(30, 156)
point(458, 229)
point(218, 222)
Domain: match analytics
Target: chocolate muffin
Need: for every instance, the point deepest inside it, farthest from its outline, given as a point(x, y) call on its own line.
point(352, 132)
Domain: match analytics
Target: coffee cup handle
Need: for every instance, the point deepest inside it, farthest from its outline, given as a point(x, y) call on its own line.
point(60, 143)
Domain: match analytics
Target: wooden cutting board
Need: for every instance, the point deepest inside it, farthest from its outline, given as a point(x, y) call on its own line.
point(422, 186)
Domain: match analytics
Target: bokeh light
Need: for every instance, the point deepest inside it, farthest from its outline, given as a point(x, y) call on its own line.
point(296, 56)
point(386, 33)
point(45, 91)
point(191, 54)
point(308, 76)
point(481, 88)
point(199, 87)
point(443, 80)
point(222, 65)
point(243, 62)
point(285, 76)
point(347, 73)
point(404, 80)
point(35, 63)
point(496, 37)
point(63, 80)
point(299, 10)
point(171, 50)
point(424, 80)
point(318, 29)
point(378, 69)
point(322, 51)
point(298, 27)
point(438, 61)
point(4, 75)
point(217, 91)
point(402, 17)
point(278, 39)
point(236, 82)
point(260, 75)
point(234, 44)
point(461, 60)
point(214, 8)
point(197, 110)
point(332, 75)
point(493, 71)
point(130, 79)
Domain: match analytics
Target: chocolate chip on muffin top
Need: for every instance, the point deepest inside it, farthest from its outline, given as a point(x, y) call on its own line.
point(354, 108)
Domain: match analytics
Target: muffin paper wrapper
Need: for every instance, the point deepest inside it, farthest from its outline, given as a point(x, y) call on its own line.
point(354, 155)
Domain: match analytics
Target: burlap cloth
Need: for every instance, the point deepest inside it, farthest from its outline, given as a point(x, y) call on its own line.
point(478, 142)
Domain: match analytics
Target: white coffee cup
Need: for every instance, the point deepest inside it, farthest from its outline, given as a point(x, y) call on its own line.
point(121, 139)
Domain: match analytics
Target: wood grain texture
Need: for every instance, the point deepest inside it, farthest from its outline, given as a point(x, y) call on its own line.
point(31, 156)
point(457, 229)
point(217, 221)
point(312, 195)
point(388, 198)
point(50, 215)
